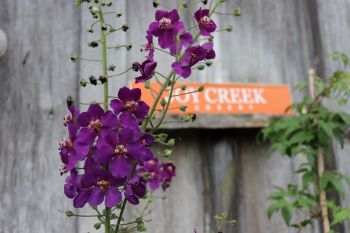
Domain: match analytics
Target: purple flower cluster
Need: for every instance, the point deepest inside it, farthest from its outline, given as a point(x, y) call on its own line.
point(172, 35)
point(110, 144)
point(157, 174)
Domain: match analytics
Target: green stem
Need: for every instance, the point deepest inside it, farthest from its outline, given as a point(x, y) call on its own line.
point(105, 100)
point(167, 105)
point(104, 60)
point(120, 216)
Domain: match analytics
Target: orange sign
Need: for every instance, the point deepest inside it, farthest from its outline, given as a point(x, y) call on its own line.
point(223, 98)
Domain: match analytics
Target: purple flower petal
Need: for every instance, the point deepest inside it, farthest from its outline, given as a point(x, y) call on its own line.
point(109, 120)
point(95, 110)
point(124, 94)
point(84, 119)
point(120, 167)
point(103, 154)
point(161, 14)
point(113, 197)
point(80, 200)
point(96, 196)
point(117, 106)
point(127, 120)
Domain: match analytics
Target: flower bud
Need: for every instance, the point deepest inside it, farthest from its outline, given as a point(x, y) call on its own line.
point(201, 67)
point(69, 101)
point(237, 11)
point(104, 28)
point(229, 29)
point(74, 58)
point(208, 63)
point(93, 44)
point(193, 117)
point(183, 87)
point(125, 27)
point(91, 30)
point(200, 88)
point(112, 67)
point(135, 66)
point(97, 226)
point(183, 108)
point(167, 153)
point(69, 213)
point(83, 82)
point(102, 79)
point(155, 4)
point(171, 142)
point(93, 80)
point(204, 2)
point(128, 47)
point(147, 84)
point(163, 102)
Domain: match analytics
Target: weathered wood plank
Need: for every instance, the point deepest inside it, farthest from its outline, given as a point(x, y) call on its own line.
point(333, 38)
point(36, 76)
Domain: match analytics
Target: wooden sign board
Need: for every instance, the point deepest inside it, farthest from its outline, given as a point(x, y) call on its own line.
point(223, 99)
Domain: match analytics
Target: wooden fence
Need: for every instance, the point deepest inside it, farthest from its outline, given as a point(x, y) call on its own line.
point(218, 170)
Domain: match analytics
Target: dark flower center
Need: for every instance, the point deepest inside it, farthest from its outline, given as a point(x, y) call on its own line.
point(170, 168)
point(152, 175)
point(204, 21)
point(95, 125)
point(66, 143)
point(103, 184)
point(131, 105)
point(165, 23)
point(120, 150)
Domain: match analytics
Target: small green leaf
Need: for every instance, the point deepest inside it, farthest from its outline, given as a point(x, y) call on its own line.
point(341, 216)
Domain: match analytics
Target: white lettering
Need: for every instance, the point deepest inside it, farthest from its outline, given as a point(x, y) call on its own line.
point(207, 96)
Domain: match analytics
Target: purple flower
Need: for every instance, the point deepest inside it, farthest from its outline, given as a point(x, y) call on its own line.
point(186, 39)
point(166, 27)
point(94, 122)
point(97, 186)
point(157, 174)
point(168, 171)
point(191, 57)
point(151, 170)
point(210, 53)
point(135, 189)
point(147, 71)
point(71, 186)
point(72, 150)
point(206, 25)
point(119, 149)
point(149, 46)
point(129, 101)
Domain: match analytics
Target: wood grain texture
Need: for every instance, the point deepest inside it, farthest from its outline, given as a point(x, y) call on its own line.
point(36, 77)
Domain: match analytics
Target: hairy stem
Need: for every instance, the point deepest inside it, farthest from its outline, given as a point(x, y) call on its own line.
point(105, 99)
point(104, 60)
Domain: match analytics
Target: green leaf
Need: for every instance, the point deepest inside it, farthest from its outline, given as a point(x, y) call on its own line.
point(275, 207)
point(287, 213)
point(301, 136)
point(341, 216)
point(326, 127)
